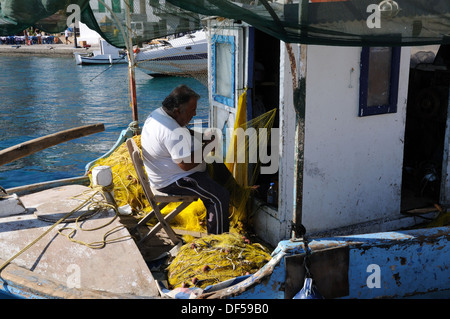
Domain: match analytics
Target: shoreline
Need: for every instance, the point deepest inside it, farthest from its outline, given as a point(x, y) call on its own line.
point(61, 50)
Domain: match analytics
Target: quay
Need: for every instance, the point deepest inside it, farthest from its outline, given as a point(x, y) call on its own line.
point(53, 50)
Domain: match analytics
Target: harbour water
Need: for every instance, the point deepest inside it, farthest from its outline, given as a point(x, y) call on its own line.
point(41, 96)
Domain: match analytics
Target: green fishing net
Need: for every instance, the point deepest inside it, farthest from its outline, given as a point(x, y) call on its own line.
point(330, 22)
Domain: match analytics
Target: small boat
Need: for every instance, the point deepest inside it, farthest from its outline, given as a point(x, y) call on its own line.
point(108, 54)
point(178, 56)
point(368, 265)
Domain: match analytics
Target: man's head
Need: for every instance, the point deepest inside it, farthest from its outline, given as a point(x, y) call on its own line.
point(181, 104)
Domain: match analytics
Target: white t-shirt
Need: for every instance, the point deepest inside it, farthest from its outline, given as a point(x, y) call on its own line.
point(164, 142)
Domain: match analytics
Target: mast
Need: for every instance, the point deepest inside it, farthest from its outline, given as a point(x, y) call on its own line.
point(131, 61)
point(127, 37)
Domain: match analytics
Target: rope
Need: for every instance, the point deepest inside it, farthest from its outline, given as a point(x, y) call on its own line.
point(93, 245)
point(134, 127)
point(109, 67)
point(97, 244)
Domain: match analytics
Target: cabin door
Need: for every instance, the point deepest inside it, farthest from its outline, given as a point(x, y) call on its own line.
point(226, 78)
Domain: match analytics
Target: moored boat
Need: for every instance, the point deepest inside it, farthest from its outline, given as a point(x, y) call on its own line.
point(108, 54)
point(344, 186)
point(372, 265)
point(185, 55)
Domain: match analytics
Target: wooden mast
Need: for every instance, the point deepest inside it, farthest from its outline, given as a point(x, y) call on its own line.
point(131, 62)
point(127, 37)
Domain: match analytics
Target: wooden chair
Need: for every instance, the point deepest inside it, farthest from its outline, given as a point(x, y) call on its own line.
point(158, 201)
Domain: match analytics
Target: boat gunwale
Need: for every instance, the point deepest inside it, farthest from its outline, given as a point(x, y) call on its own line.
point(21, 282)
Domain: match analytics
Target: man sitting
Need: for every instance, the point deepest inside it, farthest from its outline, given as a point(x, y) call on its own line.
point(168, 157)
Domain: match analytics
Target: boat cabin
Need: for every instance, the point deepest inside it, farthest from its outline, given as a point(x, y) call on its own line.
point(373, 143)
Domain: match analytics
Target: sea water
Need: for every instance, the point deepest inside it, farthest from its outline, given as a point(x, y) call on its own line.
point(41, 96)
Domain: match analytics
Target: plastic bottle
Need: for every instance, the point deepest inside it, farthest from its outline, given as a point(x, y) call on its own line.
point(272, 194)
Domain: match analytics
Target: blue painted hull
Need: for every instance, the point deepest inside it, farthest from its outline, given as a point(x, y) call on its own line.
point(397, 264)
point(401, 264)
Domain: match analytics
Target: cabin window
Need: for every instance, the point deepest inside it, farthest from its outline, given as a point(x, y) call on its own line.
point(379, 80)
point(223, 69)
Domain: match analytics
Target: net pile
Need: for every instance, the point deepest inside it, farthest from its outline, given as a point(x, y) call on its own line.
point(237, 180)
point(128, 191)
point(215, 258)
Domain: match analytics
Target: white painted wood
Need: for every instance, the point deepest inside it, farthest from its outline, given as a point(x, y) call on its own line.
point(353, 165)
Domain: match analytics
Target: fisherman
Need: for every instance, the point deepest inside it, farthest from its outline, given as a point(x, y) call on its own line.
point(170, 160)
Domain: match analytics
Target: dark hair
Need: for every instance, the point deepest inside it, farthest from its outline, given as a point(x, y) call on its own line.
point(182, 94)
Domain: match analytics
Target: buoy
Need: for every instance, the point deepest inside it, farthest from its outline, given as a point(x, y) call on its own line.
point(102, 176)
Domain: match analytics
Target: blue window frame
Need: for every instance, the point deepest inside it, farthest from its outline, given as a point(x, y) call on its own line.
point(378, 91)
point(223, 69)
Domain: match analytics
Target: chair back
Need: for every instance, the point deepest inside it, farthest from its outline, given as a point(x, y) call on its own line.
point(138, 164)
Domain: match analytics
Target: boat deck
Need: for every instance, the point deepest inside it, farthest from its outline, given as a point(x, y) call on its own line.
point(117, 268)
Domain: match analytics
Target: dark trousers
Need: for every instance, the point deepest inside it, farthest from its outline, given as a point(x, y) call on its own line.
point(215, 197)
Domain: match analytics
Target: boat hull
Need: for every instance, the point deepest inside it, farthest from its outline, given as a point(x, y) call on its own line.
point(401, 264)
point(173, 68)
point(99, 59)
point(396, 264)
point(182, 56)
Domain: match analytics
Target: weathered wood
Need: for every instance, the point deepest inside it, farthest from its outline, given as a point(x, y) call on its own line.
point(37, 187)
point(29, 284)
point(163, 222)
point(246, 284)
point(193, 233)
point(329, 269)
point(77, 270)
point(300, 107)
point(13, 153)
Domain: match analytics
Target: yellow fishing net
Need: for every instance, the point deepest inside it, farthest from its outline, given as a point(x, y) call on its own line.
point(128, 191)
point(215, 258)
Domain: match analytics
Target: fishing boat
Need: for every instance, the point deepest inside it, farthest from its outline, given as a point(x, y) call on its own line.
point(357, 266)
point(341, 225)
point(183, 55)
point(107, 54)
